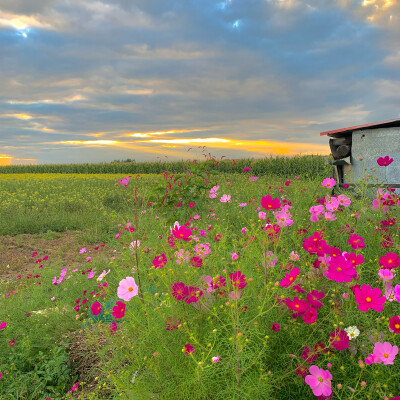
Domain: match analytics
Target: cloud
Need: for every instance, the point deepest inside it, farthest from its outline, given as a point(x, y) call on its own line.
point(268, 73)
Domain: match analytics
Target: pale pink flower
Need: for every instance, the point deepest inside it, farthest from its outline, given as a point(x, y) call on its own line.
point(319, 381)
point(331, 204)
point(236, 295)
point(329, 216)
point(215, 359)
point(386, 274)
point(226, 198)
point(242, 204)
point(127, 289)
point(294, 256)
point(82, 250)
point(212, 195)
point(343, 200)
point(262, 215)
point(234, 256)
point(385, 353)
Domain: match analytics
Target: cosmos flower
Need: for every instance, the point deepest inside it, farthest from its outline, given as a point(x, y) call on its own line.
point(319, 381)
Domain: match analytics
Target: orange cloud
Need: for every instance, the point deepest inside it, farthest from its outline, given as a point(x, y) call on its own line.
point(88, 142)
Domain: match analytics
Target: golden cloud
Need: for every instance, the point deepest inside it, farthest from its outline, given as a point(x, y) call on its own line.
point(5, 160)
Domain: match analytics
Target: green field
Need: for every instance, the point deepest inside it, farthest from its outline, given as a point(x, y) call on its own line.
point(59, 214)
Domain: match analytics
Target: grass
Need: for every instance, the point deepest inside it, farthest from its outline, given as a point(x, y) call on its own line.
point(142, 359)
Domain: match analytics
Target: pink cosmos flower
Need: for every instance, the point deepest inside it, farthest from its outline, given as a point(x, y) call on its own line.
point(343, 200)
point(367, 298)
point(234, 256)
point(262, 215)
point(290, 277)
point(384, 353)
point(181, 232)
point(319, 381)
point(341, 270)
point(394, 324)
point(124, 181)
point(118, 311)
point(225, 198)
point(294, 256)
point(356, 242)
point(3, 325)
point(356, 259)
point(238, 280)
point(384, 161)
point(297, 305)
point(160, 261)
point(253, 178)
point(218, 282)
point(314, 297)
point(270, 204)
point(196, 261)
point(330, 216)
point(194, 295)
point(389, 260)
point(127, 289)
point(95, 308)
point(235, 295)
point(246, 169)
point(328, 182)
point(287, 183)
point(179, 291)
point(275, 327)
point(82, 250)
point(386, 274)
point(339, 339)
point(242, 204)
point(310, 316)
point(331, 204)
point(397, 293)
point(215, 359)
point(113, 327)
point(189, 349)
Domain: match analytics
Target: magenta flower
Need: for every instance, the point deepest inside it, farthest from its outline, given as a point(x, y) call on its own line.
point(3, 325)
point(341, 270)
point(238, 280)
point(270, 204)
point(356, 242)
point(181, 232)
point(95, 308)
point(384, 353)
point(339, 339)
point(319, 381)
point(290, 277)
point(118, 311)
point(113, 327)
point(367, 298)
point(179, 291)
point(310, 316)
point(297, 305)
point(314, 297)
point(127, 289)
point(275, 327)
point(194, 295)
point(246, 169)
point(160, 261)
point(389, 260)
point(189, 349)
point(384, 161)
point(394, 324)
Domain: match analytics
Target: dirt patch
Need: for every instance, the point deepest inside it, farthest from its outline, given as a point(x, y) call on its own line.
point(16, 251)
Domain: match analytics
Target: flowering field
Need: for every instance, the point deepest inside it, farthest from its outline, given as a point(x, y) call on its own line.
point(204, 286)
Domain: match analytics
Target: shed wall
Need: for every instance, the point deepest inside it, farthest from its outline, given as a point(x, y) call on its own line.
point(370, 145)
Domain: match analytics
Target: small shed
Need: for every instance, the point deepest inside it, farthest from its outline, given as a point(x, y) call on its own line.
point(356, 149)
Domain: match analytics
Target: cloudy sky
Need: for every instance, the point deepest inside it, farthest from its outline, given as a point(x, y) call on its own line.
point(97, 80)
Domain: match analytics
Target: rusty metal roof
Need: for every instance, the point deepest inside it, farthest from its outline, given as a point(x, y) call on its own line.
point(383, 124)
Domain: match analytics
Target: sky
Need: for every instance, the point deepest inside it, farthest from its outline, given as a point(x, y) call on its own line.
point(97, 80)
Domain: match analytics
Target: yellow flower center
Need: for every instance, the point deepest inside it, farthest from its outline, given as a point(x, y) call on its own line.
point(338, 339)
point(368, 299)
point(339, 269)
point(291, 278)
point(130, 289)
point(297, 306)
point(386, 355)
point(320, 379)
point(397, 326)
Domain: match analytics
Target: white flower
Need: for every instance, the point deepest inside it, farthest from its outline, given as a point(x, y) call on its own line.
point(352, 332)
